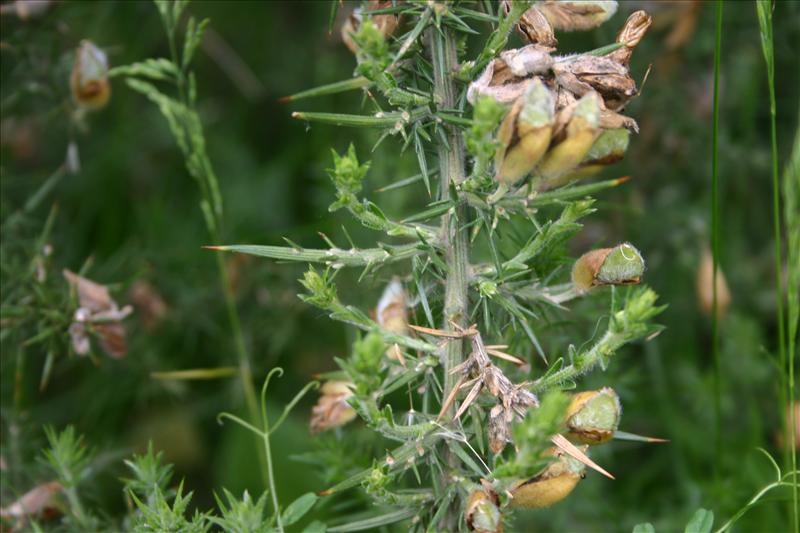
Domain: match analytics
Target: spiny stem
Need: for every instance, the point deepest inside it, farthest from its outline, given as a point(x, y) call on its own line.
point(454, 239)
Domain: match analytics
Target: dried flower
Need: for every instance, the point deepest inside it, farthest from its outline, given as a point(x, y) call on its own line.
point(89, 80)
point(506, 78)
point(593, 416)
point(525, 134)
point(630, 35)
point(386, 23)
point(332, 409)
point(582, 120)
point(534, 27)
point(392, 314)
point(98, 313)
point(576, 15)
point(34, 502)
point(148, 300)
point(621, 265)
point(551, 485)
point(481, 512)
point(705, 284)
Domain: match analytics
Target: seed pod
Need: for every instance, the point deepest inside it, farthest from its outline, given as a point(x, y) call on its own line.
point(581, 131)
point(525, 134)
point(506, 78)
point(332, 409)
point(535, 28)
point(89, 80)
point(386, 23)
point(593, 416)
point(621, 265)
point(577, 15)
point(498, 429)
point(705, 284)
point(392, 314)
point(609, 148)
point(482, 514)
point(551, 485)
point(630, 35)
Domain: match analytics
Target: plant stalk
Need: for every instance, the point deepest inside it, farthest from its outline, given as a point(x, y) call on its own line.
point(454, 239)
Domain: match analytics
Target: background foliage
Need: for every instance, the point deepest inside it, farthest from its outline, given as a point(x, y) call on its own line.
point(133, 211)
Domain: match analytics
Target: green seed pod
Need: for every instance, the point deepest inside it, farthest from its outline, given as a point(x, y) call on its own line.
point(593, 416)
point(621, 265)
point(581, 132)
point(551, 485)
point(609, 148)
point(482, 514)
point(525, 133)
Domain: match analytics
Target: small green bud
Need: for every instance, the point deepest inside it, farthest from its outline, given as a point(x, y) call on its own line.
point(487, 289)
point(322, 292)
point(621, 265)
point(348, 176)
point(525, 133)
point(593, 416)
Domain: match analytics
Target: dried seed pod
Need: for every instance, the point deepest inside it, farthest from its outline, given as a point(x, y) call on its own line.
point(89, 80)
point(386, 23)
point(581, 131)
point(498, 429)
point(577, 15)
point(482, 514)
point(609, 148)
point(506, 78)
point(593, 416)
point(705, 284)
point(332, 409)
point(621, 265)
point(392, 314)
point(630, 35)
point(551, 485)
point(525, 134)
point(535, 28)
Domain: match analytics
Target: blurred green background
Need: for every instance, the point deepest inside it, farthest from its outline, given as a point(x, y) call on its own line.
point(133, 210)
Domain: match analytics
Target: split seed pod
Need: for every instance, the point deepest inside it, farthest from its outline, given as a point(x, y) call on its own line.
point(581, 132)
point(386, 23)
point(705, 284)
point(525, 134)
point(332, 409)
point(392, 314)
point(89, 80)
point(593, 416)
point(621, 265)
point(482, 514)
point(551, 485)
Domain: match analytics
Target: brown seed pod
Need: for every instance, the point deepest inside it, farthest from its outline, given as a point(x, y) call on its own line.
point(89, 83)
point(534, 27)
point(705, 284)
point(482, 513)
point(551, 485)
point(386, 23)
point(630, 35)
point(332, 409)
point(593, 416)
point(568, 15)
point(621, 265)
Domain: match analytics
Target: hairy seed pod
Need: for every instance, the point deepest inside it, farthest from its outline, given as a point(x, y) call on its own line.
point(332, 409)
point(609, 148)
point(593, 416)
point(577, 15)
point(551, 485)
point(386, 23)
point(705, 284)
point(525, 134)
point(621, 265)
point(89, 80)
point(581, 132)
point(482, 514)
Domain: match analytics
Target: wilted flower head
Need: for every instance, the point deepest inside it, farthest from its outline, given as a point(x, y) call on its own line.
point(89, 80)
point(621, 265)
point(332, 409)
point(593, 416)
point(552, 484)
point(97, 313)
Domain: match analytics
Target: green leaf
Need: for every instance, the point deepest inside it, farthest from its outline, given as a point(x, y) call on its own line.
point(647, 527)
point(375, 521)
point(701, 522)
point(316, 526)
point(298, 508)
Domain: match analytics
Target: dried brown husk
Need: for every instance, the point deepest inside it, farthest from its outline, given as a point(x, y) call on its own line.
point(567, 15)
point(332, 409)
point(386, 23)
point(506, 78)
point(534, 27)
point(630, 35)
point(33, 503)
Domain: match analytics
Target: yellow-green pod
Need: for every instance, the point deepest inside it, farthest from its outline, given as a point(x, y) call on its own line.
point(609, 148)
point(593, 416)
point(482, 514)
point(621, 265)
point(525, 133)
point(551, 485)
point(581, 133)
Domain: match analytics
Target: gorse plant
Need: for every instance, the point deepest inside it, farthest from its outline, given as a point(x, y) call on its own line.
point(507, 134)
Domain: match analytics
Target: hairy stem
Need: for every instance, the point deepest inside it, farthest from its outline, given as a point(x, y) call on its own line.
point(454, 238)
